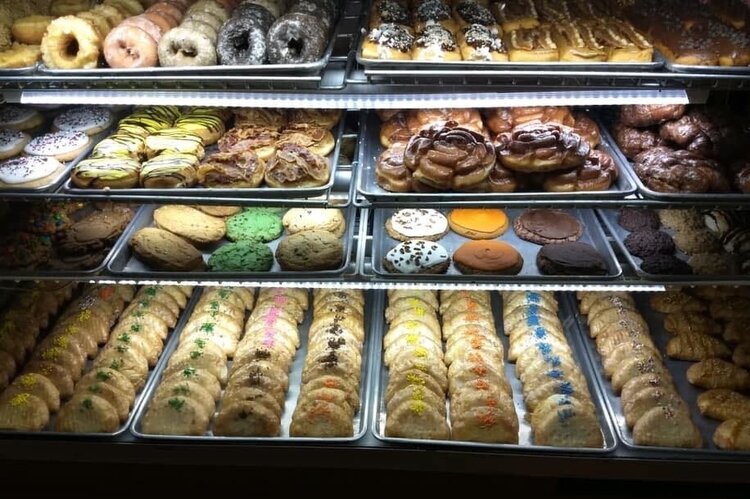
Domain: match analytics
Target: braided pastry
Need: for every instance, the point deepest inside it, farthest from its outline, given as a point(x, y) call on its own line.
point(450, 157)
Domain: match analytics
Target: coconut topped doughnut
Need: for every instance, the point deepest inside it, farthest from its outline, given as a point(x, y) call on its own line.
point(87, 119)
point(27, 169)
point(52, 144)
point(242, 39)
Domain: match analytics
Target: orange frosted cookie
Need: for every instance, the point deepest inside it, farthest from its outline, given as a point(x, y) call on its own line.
point(488, 257)
point(477, 223)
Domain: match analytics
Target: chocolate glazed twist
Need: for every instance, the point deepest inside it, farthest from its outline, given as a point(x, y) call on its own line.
point(541, 147)
point(665, 170)
point(450, 157)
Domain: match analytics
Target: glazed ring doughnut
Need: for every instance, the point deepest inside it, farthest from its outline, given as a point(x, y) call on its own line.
point(112, 15)
point(242, 41)
point(60, 8)
point(168, 9)
point(207, 18)
point(30, 29)
point(128, 46)
point(296, 38)
point(183, 47)
point(142, 22)
point(127, 7)
point(71, 43)
point(99, 23)
point(201, 27)
point(211, 6)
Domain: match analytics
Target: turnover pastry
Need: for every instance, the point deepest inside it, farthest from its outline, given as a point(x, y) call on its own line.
point(232, 170)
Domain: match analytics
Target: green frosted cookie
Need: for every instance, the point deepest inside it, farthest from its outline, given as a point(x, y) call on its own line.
point(242, 256)
point(256, 224)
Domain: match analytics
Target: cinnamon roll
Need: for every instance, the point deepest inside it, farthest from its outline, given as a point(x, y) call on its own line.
point(395, 129)
point(597, 173)
point(390, 172)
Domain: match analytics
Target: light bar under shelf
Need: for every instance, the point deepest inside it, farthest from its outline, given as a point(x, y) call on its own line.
point(360, 98)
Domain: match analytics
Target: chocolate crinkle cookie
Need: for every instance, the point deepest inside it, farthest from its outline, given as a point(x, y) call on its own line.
point(665, 265)
point(646, 242)
point(633, 219)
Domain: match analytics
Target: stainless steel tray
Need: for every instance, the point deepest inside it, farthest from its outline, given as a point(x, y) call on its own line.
point(25, 71)
point(308, 68)
point(125, 263)
point(687, 68)
point(295, 377)
point(256, 193)
point(370, 149)
point(592, 235)
point(59, 179)
point(51, 433)
point(460, 66)
point(42, 273)
point(380, 379)
point(678, 370)
point(664, 196)
point(609, 217)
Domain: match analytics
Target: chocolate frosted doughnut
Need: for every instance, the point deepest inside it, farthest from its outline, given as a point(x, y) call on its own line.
point(242, 40)
point(322, 11)
point(296, 38)
point(184, 47)
point(249, 7)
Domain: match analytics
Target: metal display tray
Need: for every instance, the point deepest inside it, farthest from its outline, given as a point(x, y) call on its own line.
point(256, 193)
point(64, 173)
point(678, 369)
point(370, 149)
point(688, 68)
point(380, 380)
point(41, 273)
point(609, 218)
point(140, 396)
point(460, 66)
point(592, 235)
point(125, 263)
point(308, 68)
point(664, 196)
point(25, 71)
point(295, 378)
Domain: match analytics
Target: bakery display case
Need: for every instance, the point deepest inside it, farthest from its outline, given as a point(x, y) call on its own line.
point(429, 235)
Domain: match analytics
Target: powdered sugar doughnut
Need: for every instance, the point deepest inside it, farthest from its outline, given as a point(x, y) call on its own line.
point(63, 146)
point(272, 6)
point(296, 38)
point(183, 47)
point(12, 142)
point(28, 171)
point(87, 119)
point(242, 40)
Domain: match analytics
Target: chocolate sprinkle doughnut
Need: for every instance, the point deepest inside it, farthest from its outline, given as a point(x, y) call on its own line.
point(242, 40)
point(296, 38)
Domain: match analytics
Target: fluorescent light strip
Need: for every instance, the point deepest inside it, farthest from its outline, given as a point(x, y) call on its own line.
point(399, 285)
point(415, 100)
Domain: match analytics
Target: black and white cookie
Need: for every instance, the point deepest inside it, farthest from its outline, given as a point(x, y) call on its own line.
point(20, 118)
point(417, 257)
point(417, 223)
point(63, 146)
point(87, 119)
point(12, 142)
point(28, 171)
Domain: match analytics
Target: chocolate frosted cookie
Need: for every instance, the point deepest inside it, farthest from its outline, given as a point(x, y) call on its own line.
point(571, 258)
point(646, 242)
point(665, 265)
point(636, 218)
point(547, 227)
